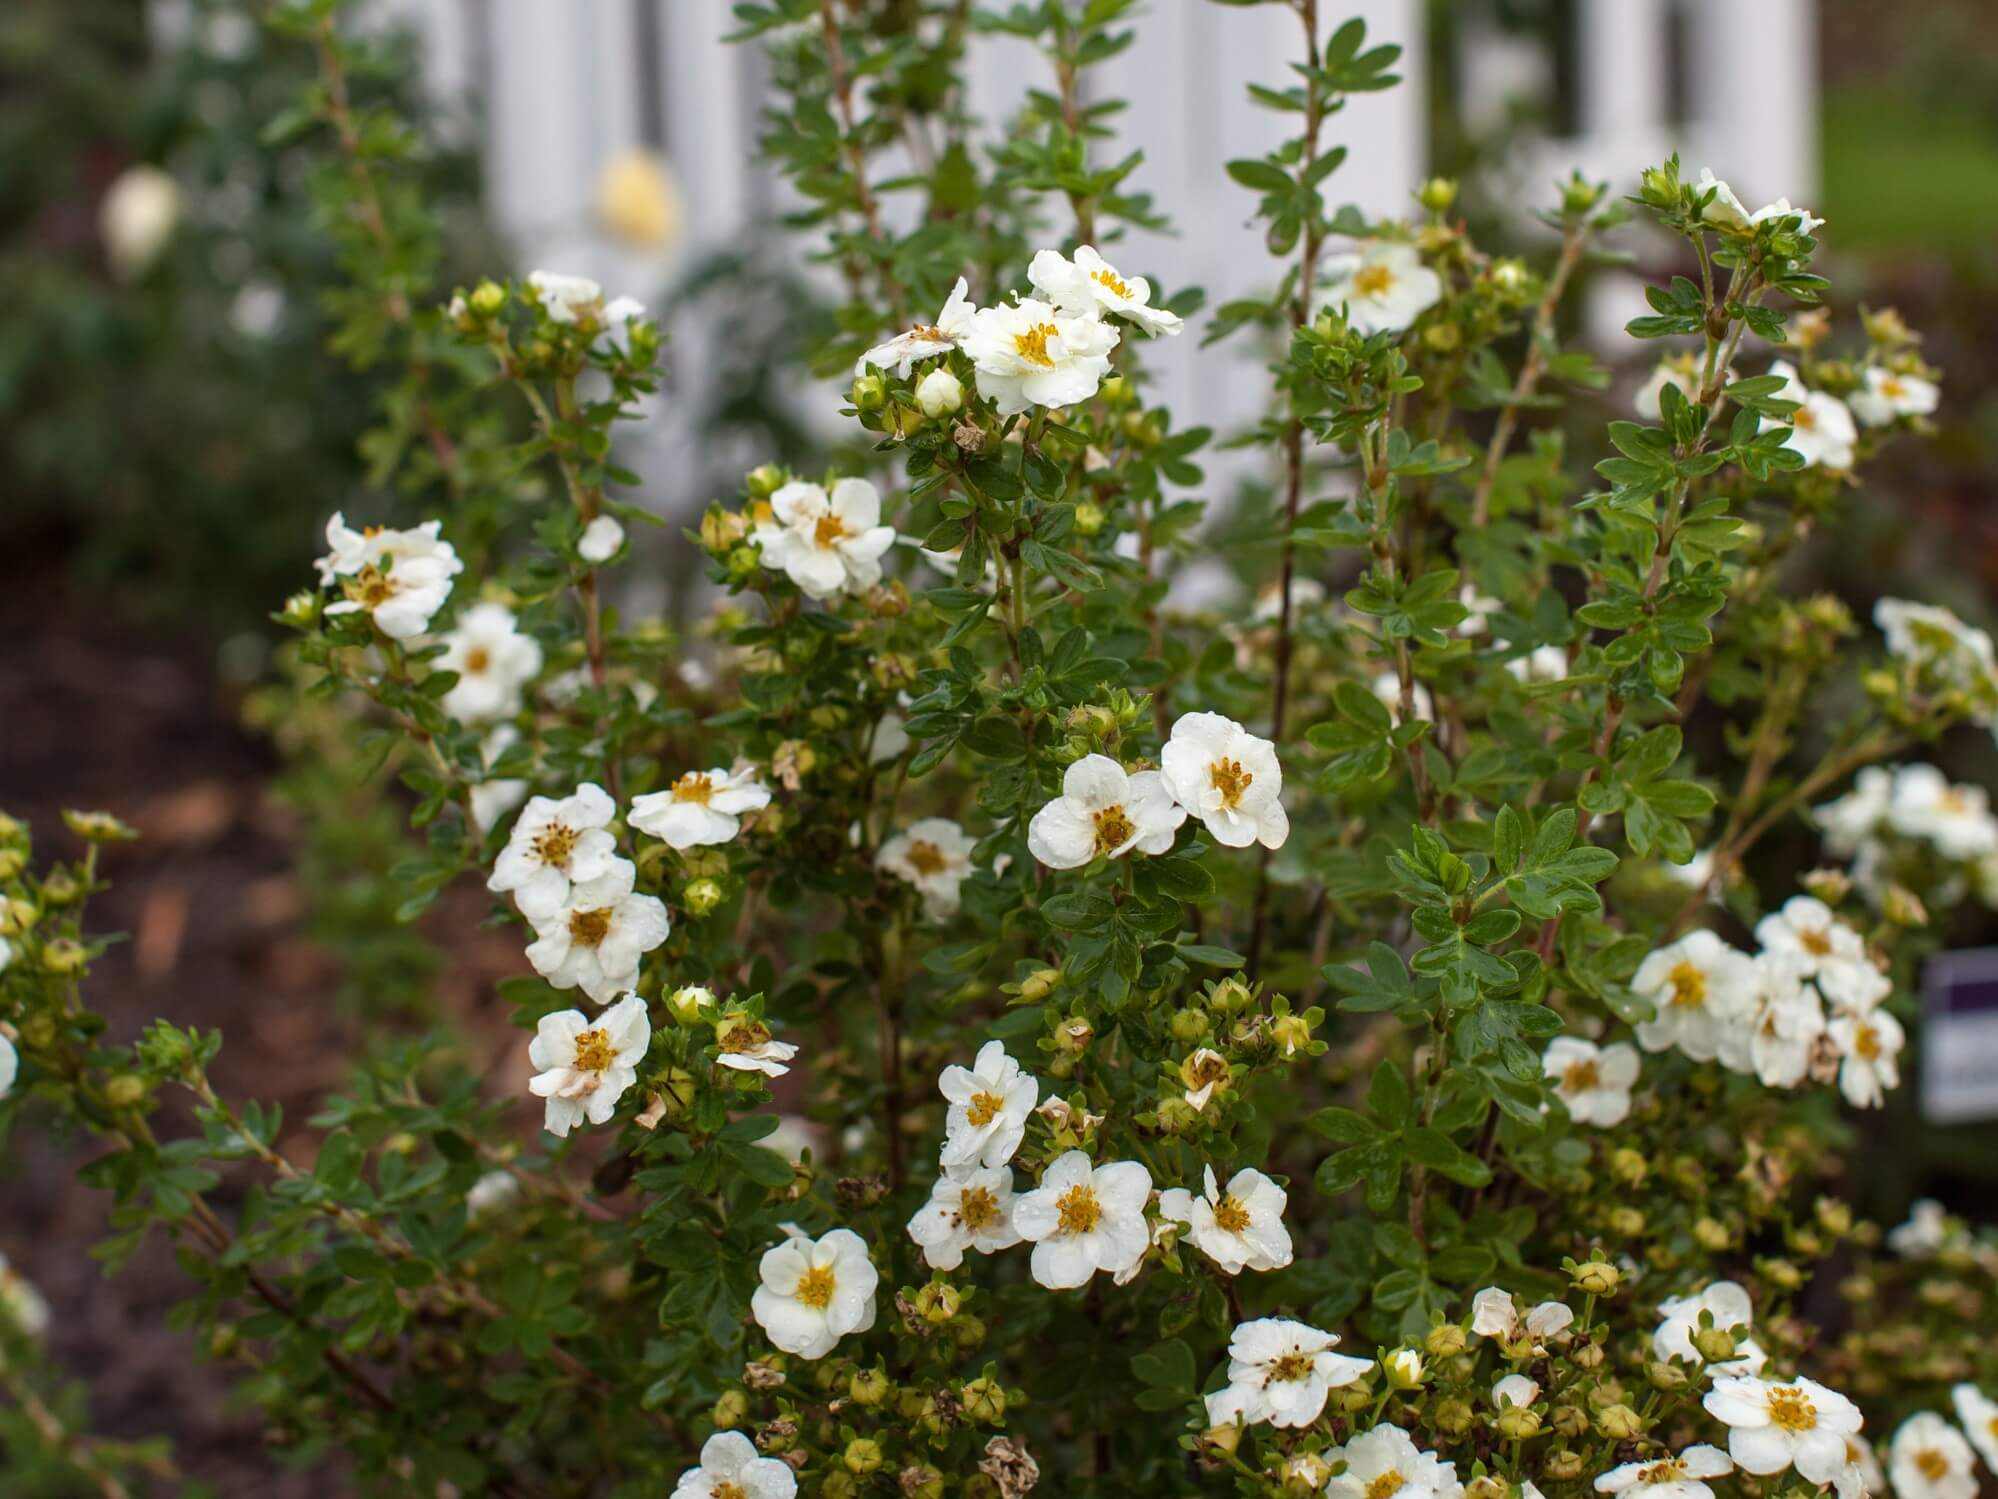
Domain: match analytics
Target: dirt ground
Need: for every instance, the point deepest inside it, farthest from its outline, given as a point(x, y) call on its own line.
point(100, 712)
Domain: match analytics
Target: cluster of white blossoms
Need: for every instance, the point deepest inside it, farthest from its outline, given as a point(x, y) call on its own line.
point(578, 302)
point(1725, 211)
point(1895, 806)
point(1051, 349)
point(399, 579)
point(1211, 767)
point(1944, 651)
point(1807, 1005)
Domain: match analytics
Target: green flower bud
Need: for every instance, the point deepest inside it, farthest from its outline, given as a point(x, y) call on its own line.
point(730, 1411)
point(1665, 1376)
point(862, 1455)
point(487, 298)
point(1619, 1422)
point(98, 827)
point(985, 1401)
point(12, 862)
point(124, 1091)
point(1595, 1277)
point(1403, 1368)
point(701, 897)
point(1446, 1341)
point(870, 392)
point(938, 1301)
point(1437, 194)
point(1517, 1422)
point(64, 956)
point(869, 1387)
point(1454, 1417)
point(764, 481)
point(920, 1483)
point(1715, 1344)
point(1563, 1466)
point(1089, 518)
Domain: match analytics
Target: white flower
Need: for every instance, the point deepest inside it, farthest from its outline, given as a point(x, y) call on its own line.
point(600, 540)
point(1239, 1229)
point(1594, 1082)
point(1726, 211)
point(1886, 396)
point(1775, 1426)
point(584, 1068)
point(1384, 1461)
point(1494, 1315)
point(1084, 1218)
point(701, 807)
point(1030, 354)
point(1863, 1474)
point(815, 1292)
point(1280, 1371)
point(731, 1468)
point(934, 855)
point(1228, 778)
point(1514, 1390)
point(1699, 986)
point(10, 1059)
point(555, 843)
point(493, 660)
point(1821, 429)
point(925, 340)
point(137, 217)
point(1956, 819)
point(597, 935)
point(1102, 813)
point(1806, 931)
point(1387, 689)
point(746, 1046)
point(1383, 288)
point(1681, 370)
point(1929, 1230)
point(1727, 1307)
point(398, 578)
point(989, 1104)
point(1870, 1045)
point(20, 1300)
point(1545, 663)
point(1852, 819)
point(1929, 1459)
point(1680, 1477)
point(968, 1209)
point(491, 1192)
point(1936, 639)
point(939, 393)
point(1778, 1036)
point(491, 800)
point(824, 543)
point(1979, 1414)
point(1089, 286)
point(566, 299)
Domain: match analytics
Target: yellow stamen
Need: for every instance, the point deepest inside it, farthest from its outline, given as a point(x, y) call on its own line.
point(1113, 830)
point(1291, 1366)
point(694, 787)
point(1791, 1409)
point(830, 530)
point(1032, 345)
point(1373, 280)
point(1111, 282)
point(554, 844)
point(594, 1052)
point(477, 659)
point(1932, 1464)
point(816, 1286)
point(1581, 1077)
point(1078, 1211)
point(1229, 1214)
point(977, 1208)
point(983, 1108)
point(1388, 1484)
point(1228, 778)
point(1689, 986)
point(589, 928)
point(1816, 943)
point(925, 857)
point(1866, 1041)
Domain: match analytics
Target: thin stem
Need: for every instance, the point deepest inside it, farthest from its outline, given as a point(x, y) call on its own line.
point(856, 151)
point(1572, 240)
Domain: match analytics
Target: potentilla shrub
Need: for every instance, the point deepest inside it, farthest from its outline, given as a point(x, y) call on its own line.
point(997, 1027)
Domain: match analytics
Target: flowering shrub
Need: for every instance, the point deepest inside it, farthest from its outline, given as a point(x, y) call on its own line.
point(997, 1027)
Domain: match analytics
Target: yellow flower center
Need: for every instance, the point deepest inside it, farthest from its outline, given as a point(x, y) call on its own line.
point(477, 660)
point(925, 857)
point(1893, 388)
point(1815, 942)
point(977, 1208)
point(728, 1489)
point(983, 1108)
point(1229, 1214)
point(1388, 1484)
point(742, 1037)
point(594, 1052)
point(1671, 1470)
point(1581, 1077)
point(1291, 1366)
point(1078, 1211)
point(1228, 778)
point(830, 530)
point(1113, 829)
point(1953, 802)
point(554, 844)
point(589, 928)
point(371, 588)
point(1932, 1464)
point(1689, 986)
point(1373, 281)
point(1111, 282)
point(816, 1286)
point(1032, 345)
point(694, 786)
point(1791, 1409)
point(1866, 1041)
point(1804, 419)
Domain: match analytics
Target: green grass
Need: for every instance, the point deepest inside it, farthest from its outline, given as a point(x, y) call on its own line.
point(1899, 173)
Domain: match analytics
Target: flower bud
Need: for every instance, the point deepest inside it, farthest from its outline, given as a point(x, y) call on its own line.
point(701, 897)
point(722, 529)
point(1230, 995)
point(1221, 1438)
point(1509, 276)
point(98, 827)
point(64, 956)
point(1117, 391)
point(1715, 1344)
point(1485, 1486)
point(1292, 1033)
point(1834, 1217)
point(1711, 1234)
point(38, 1032)
point(985, 1400)
point(688, 1001)
point(1626, 1222)
point(939, 393)
point(1580, 197)
point(124, 1091)
point(1403, 1368)
point(969, 1331)
point(12, 862)
point(486, 300)
point(1780, 1273)
point(1454, 1417)
point(16, 916)
point(1074, 1034)
point(1089, 518)
point(1619, 1422)
point(1518, 1422)
point(1437, 194)
point(1563, 1466)
point(1595, 1277)
point(838, 1484)
point(869, 1387)
point(60, 888)
point(1446, 1341)
point(920, 1483)
point(1665, 1375)
point(862, 1455)
point(730, 1411)
point(1039, 984)
point(1629, 1166)
point(1571, 1421)
point(938, 1301)
point(1586, 1356)
point(870, 392)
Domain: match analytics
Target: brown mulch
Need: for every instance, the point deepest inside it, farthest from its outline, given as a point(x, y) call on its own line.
point(99, 712)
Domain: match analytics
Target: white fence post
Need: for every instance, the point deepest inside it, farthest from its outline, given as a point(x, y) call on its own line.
point(1755, 94)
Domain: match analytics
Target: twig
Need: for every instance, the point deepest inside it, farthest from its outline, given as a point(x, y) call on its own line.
point(1529, 373)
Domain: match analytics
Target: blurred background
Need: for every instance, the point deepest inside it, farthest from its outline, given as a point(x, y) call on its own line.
point(175, 430)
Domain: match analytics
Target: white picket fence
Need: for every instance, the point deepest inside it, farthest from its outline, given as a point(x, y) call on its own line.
point(560, 86)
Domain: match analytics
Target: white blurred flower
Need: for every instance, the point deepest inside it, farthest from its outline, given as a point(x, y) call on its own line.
point(1679, 1477)
point(566, 299)
point(398, 578)
point(1936, 640)
point(1979, 1414)
point(934, 855)
point(638, 199)
point(1886, 396)
point(1383, 287)
point(1592, 1081)
point(1090, 286)
point(1850, 820)
point(1870, 1047)
point(1387, 690)
point(491, 1192)
point(1698, 987)
point(1929, 1230)
point(136, 218)
point(1956, 819)
point(493, 799)
point(1723, 1305)
point(1682, 370)
point(600, 540)
point(1546, 663)
point(21, 1301)
point(1386, 1461)
point(10, 1059)
point(925, 340)
point(1929, 1459)
point(732, 1468)
point(596, 937)
point(1775, 1426)
point(494, 661)
point(1821, 429)
point(583, 1068)
point(825, 543)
